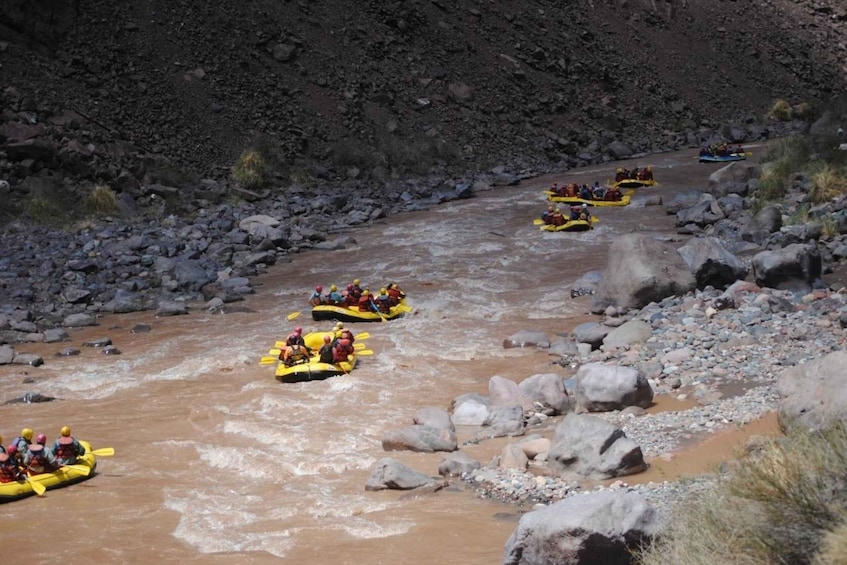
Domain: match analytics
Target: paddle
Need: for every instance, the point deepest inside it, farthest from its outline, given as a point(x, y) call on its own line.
point(37, 487)
point(365, 352)
point(269, 360)
point(85, 470)
point(294, 315)
point(104, 452)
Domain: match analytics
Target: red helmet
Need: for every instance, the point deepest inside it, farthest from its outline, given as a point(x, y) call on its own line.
point(42, 439)
point(298, 331)
point(349, 287)
point(345, 342)
point(319, 288)
point(12, 449)
point(327, 339)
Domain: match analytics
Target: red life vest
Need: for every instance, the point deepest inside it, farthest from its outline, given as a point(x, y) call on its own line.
point(8, 469)
point(66, 449)
point(38, 462)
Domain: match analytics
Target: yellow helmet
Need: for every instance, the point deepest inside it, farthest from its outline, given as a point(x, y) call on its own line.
point(333, 288)
point(26, 433)
point(382, 291)
point(649, 167)
point(338, 325)
point(366, 292)
point(356, 281)
point(65, 431)
point(558, 211)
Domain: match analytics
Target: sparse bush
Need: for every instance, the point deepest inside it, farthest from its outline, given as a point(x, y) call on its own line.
point(101, 201)
point(780, 505)
point(46, 211)
point(829, 229)
point(783, 158)
point(781, 111)
point(827, 183)
point(251, 170)
point(803, 111)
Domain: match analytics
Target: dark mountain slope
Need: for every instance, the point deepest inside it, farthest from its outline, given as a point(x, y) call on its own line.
point(197, 82)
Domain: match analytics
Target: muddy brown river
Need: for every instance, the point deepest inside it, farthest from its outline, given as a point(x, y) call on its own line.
point(217, 462)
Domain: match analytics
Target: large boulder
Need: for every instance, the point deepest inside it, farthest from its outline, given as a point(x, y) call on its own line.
point(601, 528)
point(710, 262)
point(814, 395)
point(546, 390)
point(796, 267)
point(641, 270)
point(767, 221)
point(602, 388)
point(588, 447)
point(424, 439)
point(733, 179)
point(391, 474)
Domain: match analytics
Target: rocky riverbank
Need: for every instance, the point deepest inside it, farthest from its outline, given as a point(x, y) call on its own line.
point(727, 360)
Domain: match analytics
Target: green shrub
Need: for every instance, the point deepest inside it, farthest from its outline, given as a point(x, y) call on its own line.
point(779, 505)
point(783, 158)
point(781, 111)
point(251, 170)
point(47, 211)
point(101, 201)
point(803, 111)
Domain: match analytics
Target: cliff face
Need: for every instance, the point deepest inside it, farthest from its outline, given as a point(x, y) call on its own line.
point(471, 82)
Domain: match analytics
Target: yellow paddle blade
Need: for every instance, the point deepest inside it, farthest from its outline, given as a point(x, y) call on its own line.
point(537, 222)
point(37, 487)
point(595, 219)
point(269, 360)
point(359, 346)
point(293, 315)
point(85, 470)
point(363, 335)
point(365, 352)
point(274, 351)
point(104, 452)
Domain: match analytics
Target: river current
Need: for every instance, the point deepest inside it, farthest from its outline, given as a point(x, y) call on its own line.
point(217, 462)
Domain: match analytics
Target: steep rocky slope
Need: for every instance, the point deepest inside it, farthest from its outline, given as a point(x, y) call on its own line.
point(119, 92)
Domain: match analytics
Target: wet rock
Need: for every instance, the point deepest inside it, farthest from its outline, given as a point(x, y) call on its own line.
point(420, 438)
point(31, 359)
point(31, 398)
point(98, 342)
point(68, 352)
point(391, 474)
point(456, 464)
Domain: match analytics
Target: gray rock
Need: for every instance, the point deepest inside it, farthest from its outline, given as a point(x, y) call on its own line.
point(602, 528)
point(420, 438)
point(601, 388)
point(457, 464)
point(629, 333)
point(641, 270)
point(814, 395)
point(435, 417)
point(711, 264)
point(391, 474)
point(589, 447)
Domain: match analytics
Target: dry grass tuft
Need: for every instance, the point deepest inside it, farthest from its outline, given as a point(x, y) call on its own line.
point(828, 182)
point(251, 170)
point(781, 111)
point(781, 505)
point(101, 201)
